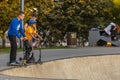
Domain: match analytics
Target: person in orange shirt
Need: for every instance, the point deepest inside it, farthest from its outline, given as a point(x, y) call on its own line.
point(30, 33)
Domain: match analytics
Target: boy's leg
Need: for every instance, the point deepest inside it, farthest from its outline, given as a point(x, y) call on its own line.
point(26, 50)
point(13, 52)
point(31, 54)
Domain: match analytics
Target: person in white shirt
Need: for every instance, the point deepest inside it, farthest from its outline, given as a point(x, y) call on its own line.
point(111, 30)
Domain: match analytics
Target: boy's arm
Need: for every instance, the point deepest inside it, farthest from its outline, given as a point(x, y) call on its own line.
point(25, 26)
point(21, 30)
point(33, 36)
point(39, 36)
point(36, 36)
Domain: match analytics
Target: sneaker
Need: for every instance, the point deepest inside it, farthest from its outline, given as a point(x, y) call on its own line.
point(15, 63)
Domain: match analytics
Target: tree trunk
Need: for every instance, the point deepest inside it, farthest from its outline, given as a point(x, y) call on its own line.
point(3, 40)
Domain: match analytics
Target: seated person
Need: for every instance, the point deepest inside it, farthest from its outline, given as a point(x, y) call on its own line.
point(111, 30)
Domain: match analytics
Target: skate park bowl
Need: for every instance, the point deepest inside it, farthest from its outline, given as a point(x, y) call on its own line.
point(105, 67)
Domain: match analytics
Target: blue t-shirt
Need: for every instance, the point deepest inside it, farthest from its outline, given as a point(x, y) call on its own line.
point(16, 27)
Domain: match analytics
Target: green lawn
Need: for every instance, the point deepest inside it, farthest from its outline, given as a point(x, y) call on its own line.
point(7, 50)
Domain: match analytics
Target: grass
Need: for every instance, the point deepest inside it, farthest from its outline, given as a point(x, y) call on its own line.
point(7, 50)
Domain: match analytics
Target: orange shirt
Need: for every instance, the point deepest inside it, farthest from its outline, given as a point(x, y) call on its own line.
point(29, 32)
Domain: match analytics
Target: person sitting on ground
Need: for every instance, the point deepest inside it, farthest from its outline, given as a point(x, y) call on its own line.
point(111, 30)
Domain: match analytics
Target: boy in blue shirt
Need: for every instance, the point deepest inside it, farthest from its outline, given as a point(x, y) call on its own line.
point(15, 29)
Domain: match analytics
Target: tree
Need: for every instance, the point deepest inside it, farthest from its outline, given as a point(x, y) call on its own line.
point(62, 17)
point(80, 15)
point(115, 11)
point(43, 9)
point(9, 9)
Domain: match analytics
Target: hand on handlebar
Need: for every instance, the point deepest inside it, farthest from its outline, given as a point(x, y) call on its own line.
point(23, 38)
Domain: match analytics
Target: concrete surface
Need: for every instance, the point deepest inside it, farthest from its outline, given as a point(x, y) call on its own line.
point(80, 68)
point(53, 54)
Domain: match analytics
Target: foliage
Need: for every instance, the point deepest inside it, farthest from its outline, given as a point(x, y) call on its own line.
point(79, 16)
point(8, 10)
point(62, 17)
point(115, 11)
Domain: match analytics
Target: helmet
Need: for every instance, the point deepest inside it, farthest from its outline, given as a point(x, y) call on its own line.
point(112, 24)
point(32, 21)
